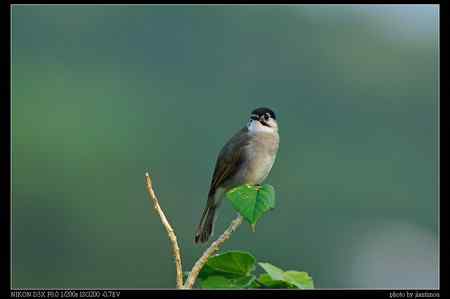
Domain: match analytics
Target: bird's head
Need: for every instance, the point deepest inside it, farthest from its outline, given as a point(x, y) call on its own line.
point(262, 120)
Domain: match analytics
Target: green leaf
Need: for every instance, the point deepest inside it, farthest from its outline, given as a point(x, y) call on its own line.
point(254, 285)
point(252, 202)
point(234, 263)
point(268, 282)
point(232, 269)
point(221, 282)
point(214, 282)
point(277, 278)
point(300, 279)
point(274, 272)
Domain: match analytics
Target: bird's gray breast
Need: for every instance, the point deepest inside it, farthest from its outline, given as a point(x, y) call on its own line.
point(260, 154)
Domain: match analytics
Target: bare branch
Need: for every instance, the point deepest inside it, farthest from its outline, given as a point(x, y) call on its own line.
point(169, 229)
point(210, 251)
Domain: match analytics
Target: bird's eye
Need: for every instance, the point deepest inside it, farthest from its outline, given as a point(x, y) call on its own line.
point(266, 116)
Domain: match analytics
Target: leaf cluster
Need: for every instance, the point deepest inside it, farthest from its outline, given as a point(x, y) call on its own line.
point(236, 270)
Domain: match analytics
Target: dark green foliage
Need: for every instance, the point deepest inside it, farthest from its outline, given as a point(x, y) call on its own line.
point(235, 270)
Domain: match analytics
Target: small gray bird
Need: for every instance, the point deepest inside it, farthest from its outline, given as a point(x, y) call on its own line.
point(245, 159)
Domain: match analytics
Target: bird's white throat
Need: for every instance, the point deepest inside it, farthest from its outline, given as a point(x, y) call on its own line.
point(255, 126)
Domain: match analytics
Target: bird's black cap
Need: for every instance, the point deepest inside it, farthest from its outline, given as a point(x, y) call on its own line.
point(264, 110)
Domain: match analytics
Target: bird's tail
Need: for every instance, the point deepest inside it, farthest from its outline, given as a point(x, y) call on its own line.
point(206, 226)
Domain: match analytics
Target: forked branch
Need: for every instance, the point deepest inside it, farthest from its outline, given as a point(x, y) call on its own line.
point(213, 248)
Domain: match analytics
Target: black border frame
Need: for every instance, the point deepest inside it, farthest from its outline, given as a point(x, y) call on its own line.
point(173, 293)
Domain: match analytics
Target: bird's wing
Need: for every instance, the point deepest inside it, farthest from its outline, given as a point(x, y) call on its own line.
point(229, 160)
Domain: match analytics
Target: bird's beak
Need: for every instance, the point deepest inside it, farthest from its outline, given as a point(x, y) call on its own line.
point(263, 122)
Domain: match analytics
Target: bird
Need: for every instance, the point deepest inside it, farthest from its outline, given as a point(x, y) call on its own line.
point(246, 158)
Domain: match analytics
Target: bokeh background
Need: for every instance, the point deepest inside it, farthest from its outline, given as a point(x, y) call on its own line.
point(102, 94)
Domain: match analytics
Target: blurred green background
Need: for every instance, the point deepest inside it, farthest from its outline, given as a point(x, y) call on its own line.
point(102, 94)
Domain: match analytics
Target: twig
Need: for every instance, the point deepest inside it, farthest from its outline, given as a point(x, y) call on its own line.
point(210, 251)
point(169, 229)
